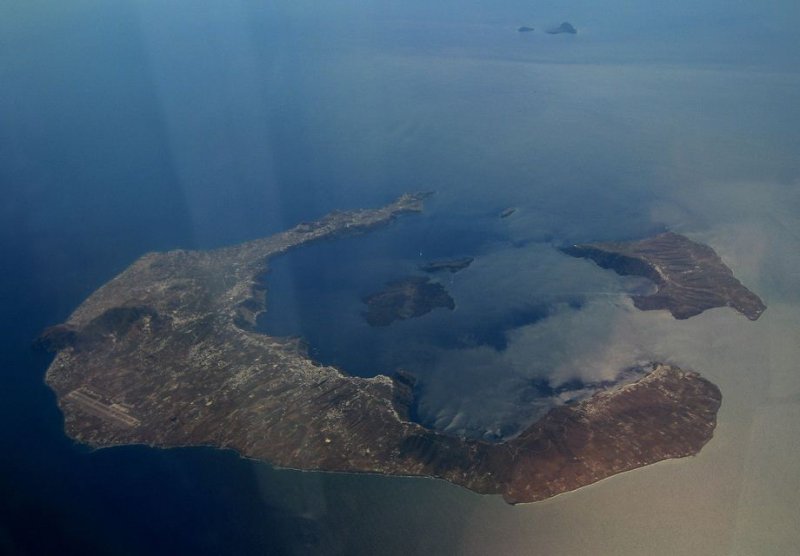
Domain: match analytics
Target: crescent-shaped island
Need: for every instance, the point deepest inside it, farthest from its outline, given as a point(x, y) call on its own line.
point(166, 354)
point(690, 277)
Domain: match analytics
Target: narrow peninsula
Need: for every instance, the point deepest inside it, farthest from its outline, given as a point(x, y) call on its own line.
point(450, 265)
point(166, 354)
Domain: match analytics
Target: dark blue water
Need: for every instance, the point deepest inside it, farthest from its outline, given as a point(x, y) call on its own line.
point(89, 184)
point(130, 127)
point(55, 496)
point(317, 292)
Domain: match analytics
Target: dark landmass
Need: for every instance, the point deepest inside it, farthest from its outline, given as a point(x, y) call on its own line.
point(690, 276)
point(508, 212)
point(405, 299)
point(166, 355)
point(525, 29)
point(452, 265)
point(565, 27)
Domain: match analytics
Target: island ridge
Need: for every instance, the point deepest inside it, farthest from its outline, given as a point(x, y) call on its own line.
point(690, 276)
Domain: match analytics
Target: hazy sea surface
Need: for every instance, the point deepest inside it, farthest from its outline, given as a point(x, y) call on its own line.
point(136, 126)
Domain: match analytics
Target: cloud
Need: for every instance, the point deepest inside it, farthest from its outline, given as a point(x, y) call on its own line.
point(488, 393)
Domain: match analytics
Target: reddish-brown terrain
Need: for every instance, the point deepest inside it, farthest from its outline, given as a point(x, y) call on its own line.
point(690, 276)
point(165, 355)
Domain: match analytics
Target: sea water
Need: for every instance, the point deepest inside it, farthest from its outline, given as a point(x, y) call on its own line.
point(132, 127)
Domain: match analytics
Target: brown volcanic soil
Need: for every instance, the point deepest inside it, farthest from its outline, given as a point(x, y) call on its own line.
point(165, 355)
point(690, 276)
point(405, 299)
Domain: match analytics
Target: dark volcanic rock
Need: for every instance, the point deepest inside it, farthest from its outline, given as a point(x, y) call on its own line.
point(565, 27)
point(405, 385)
point(165, 355)
point(55, 338)
point(690, 276)
point(404, 299)
point(452, 265)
